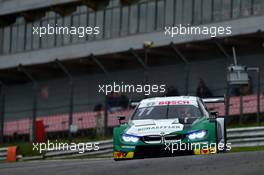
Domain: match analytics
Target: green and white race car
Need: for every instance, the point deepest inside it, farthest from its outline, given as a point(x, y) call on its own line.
point(170, 126)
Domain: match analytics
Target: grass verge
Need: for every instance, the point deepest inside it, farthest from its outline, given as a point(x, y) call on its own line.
point(246, 149)
point(26, 148)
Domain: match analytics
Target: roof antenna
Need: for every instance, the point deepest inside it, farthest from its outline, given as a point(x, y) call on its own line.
point(234, 55)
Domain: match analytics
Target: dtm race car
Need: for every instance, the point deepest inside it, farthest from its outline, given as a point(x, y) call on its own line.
point(170, 126)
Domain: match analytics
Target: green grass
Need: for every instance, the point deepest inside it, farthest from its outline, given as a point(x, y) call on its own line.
point(246, 149)
point(26, 148)
point(244, 125)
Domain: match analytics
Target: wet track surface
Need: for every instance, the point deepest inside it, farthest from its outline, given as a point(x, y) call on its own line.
point(250, 163)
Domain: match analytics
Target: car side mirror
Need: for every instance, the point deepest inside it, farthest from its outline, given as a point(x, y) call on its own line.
point(120, 119)
point(213, 116)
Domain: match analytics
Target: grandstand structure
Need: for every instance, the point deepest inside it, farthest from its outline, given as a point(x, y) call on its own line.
point(54, 77)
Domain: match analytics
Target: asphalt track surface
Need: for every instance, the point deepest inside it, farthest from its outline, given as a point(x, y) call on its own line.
point(248, 163)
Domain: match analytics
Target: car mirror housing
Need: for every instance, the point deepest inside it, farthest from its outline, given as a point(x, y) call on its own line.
point(213, 116)
point(120, 119)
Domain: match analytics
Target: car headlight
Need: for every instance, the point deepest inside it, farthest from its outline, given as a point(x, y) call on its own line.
point(197, 135)
point(130, 138)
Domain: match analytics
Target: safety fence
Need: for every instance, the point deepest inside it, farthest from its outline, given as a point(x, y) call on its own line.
point(245, 137)
point(3, 153)
point(57, 123)
point(87, 120)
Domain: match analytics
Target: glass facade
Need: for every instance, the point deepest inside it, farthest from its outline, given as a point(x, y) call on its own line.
point(116, 21)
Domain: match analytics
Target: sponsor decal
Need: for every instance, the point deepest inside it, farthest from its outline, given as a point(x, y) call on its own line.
point(177, 102)
point(123, 155)
point(159, 127)
point(129, 147)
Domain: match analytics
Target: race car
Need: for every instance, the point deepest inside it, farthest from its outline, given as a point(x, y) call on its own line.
point(170, 126)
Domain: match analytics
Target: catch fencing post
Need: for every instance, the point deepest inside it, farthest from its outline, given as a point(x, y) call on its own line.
point(241, 109)
point(257, 70)
point(66, 71)
point(2, 112)
point(35, 101)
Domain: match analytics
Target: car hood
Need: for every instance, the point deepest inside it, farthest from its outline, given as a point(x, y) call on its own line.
point(154, 127)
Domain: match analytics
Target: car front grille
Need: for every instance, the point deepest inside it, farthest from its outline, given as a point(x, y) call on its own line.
point(172, 138)
point(152, 139)
point(159, 138)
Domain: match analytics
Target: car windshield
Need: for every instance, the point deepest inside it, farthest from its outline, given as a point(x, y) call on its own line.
point(167, 112)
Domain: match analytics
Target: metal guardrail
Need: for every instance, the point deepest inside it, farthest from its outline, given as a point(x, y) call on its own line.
point(238, 137)
point(3, 153)
point(105, 147)
point(244, 137)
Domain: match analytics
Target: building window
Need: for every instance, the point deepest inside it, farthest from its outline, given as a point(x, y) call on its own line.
point(236, 8)
point(197, 16)
point(207, 11)
point(169, 12)
point(91, 22)
point(59, 38)
point(258, 7)
point(179, 12)
point(99, 23)
point(187, 11)
point(160, 14)
point(83, 20)
point(76, 24)
point(108, 23)
point(226, 12)
point(133, 19)
point(142, 17)
point(44, 43)
point(217, 10)
point(115, 22)
point(21, 37)
point(7, 40)
point(28, 36)
point(246, 7)
point(124, 20)
point(14, 38)
point(151, 16)
point(51, 38)
point(36, 38)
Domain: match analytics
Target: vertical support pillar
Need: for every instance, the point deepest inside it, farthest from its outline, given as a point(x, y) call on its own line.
point(67, 72)
point(105, 117)
point(35, 98)
point(71, 108)
point(34, 111)
point(241, 110)
point(258, 98)
point(2, 113)
point(1, 39)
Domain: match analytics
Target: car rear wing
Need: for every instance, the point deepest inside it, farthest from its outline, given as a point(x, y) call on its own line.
point(134, 104)
point(205, 100)
point(214, 100)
